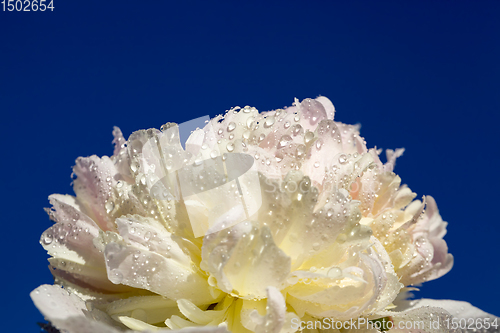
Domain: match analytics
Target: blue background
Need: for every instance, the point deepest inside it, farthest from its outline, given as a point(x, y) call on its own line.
point(421, 75)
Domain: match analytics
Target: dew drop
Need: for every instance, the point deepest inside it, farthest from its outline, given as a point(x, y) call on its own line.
point(308, 137)
point(334, 273)
point(250, 122)
point(301, 151)
point(230, 147)
point(285, 139)
point(269, 122)
point(47, 239)
point(231, 126)
point(110, 205)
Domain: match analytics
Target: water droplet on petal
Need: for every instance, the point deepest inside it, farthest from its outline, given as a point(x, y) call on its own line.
point(47, 239)
point(230, 147)
point(250, 122)
point(301, 151)
point(285, 139)
point(110, 205)
point(231, 126)
point(297, 129)
point(334, 273)
point(308, 137)
point(342, 159)
point(269, 121)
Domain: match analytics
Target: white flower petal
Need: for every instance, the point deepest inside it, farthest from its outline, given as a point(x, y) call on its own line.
point(148, 309)
point(170, 277)
point(71, 237)
point(265, 319)
point(67, 311)
point(245, 260)
point(458, 309)
point(328, 105)
point(93, 187)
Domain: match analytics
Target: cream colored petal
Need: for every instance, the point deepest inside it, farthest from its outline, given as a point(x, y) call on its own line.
point(198, 316)
point(244, 260)
point(68, 312)
point(173, 277)
point(261, 318)
point(71, 238)
point(148, 309)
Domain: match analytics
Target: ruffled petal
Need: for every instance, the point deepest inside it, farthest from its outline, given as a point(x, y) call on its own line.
point(68, 312)
point(244, 260)
point(149, 258)
point(273, 318)
point(94, 187)
point(431, 259)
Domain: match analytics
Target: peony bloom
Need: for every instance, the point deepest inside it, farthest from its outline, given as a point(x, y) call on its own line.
point(260, 221)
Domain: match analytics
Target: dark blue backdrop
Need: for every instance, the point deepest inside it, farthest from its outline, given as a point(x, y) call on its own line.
point(421, 75)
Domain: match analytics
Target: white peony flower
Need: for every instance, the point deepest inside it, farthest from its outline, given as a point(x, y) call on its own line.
point(259, 222)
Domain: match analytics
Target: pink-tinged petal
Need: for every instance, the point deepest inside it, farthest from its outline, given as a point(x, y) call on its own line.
point(391, 158)
point(311, 113)
point(119, 142)
point(324, 153)
point(120, 157)
point(71, 243)
point(94, 186)
point(71, 238)
point(328, 105)
point(351, 141)
point(432, 259)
